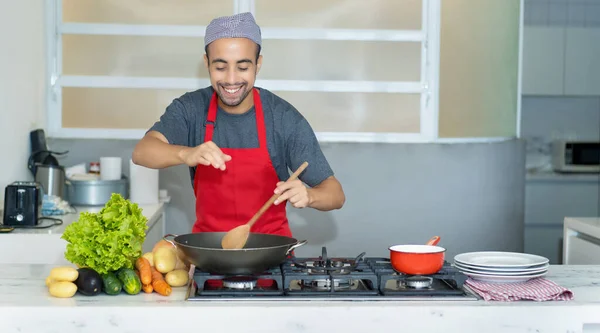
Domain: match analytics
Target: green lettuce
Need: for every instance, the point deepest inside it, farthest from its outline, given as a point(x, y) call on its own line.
point(108, 240)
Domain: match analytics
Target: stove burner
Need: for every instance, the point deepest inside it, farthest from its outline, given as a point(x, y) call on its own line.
point(418, 282)
point(240, 282)
point(333, 267)
point(325, 284)
point(325, 265)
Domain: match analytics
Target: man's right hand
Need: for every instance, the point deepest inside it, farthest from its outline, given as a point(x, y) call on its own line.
point(207, 153)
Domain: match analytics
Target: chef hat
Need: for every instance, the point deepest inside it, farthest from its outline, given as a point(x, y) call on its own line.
point(238, 25)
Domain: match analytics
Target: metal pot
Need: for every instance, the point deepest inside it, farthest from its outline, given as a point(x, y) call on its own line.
point(95, 192)
point(418, 259)
point(262, 252)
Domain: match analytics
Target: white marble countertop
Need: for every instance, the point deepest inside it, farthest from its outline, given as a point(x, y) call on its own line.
point(589, 225)
point(545, 175)
point(27, 307)
point(149, 211)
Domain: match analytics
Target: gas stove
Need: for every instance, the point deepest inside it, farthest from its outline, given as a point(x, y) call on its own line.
point(324, 278)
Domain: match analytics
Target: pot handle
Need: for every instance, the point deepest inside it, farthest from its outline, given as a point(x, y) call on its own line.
point(300, 243)
point(170, 241)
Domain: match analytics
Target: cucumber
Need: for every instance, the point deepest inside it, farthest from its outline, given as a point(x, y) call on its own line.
point(131, 282)
point(112, 285)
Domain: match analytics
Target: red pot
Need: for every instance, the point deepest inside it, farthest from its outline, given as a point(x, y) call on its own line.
point(418, 259)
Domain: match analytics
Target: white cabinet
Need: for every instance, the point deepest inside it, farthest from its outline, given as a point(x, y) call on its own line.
point(548, 199)
point(561, 61)
point(582, 241)
point(543, 60)
point(582, 61)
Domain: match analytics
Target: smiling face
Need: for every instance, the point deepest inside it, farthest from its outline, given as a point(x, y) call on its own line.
point(232, 64)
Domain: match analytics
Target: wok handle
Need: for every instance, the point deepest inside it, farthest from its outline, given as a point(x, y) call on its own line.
point(359, 257)
point(170, 241)
point(300, 243)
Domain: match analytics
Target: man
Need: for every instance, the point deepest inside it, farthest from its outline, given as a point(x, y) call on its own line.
point(240, 141)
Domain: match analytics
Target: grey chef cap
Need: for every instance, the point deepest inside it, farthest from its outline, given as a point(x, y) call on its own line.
point(235, 26)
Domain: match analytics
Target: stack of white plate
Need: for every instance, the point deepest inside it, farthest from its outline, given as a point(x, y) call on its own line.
point(501, 267)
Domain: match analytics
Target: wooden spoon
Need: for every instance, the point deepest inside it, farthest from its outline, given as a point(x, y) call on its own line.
point(236, 238)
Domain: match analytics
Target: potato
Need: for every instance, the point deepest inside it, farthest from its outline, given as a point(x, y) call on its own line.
point(49, 281)
point(164, 259)
point(177, 278)
point(64, 273)
point(150, 257)
point(62, 289)
point(181, 264)
point(162, 243)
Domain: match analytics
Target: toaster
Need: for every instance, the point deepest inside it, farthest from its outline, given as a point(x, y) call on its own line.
point(23, 203)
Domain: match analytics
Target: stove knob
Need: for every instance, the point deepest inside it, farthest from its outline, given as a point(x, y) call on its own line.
point(19, 217)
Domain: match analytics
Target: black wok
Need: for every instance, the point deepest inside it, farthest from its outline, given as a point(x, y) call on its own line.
point(262, 252)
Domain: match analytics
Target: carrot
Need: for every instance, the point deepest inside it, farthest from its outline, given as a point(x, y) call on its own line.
point(143, 265)
point(147, 288)
point(159, 284)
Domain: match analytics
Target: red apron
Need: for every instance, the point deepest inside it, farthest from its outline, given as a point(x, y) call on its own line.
point(227, 199)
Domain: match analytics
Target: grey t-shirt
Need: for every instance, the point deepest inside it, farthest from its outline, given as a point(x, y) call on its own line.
point(290, 138)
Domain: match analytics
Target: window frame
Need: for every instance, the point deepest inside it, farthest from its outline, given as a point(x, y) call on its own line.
point(427, 87)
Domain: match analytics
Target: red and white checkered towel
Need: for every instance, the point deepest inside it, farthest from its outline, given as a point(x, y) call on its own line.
point(538, 289)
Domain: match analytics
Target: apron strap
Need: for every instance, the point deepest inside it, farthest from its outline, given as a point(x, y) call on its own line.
point(260, 120)
point(211, 118)
point(209, 123)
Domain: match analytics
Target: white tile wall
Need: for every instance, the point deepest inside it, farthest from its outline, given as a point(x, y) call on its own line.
point(545, 118)
point(574, 13)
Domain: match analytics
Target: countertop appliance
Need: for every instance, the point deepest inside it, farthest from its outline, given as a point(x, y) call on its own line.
point(576, 156)
point(40, 155)
point(44, 166)
point(52, 179)
point(332, 279)
point(22, 203)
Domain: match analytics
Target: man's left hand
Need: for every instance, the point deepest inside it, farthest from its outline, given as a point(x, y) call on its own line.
point(295, 192)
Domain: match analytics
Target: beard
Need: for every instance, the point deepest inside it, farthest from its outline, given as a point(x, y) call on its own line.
point(233, 99)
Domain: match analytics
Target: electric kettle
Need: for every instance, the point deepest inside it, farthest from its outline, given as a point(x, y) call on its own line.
point(52, 179)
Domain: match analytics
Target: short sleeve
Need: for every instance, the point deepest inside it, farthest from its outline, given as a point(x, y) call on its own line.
point(302, 145)
point(174, 124)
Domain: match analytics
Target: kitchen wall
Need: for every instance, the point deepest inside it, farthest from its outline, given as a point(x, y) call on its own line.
point(549, 197)
point(572, 117)
point(580, 13)
point(469, 194)
point(22, 101)
point(546, 117)
point(552, 117)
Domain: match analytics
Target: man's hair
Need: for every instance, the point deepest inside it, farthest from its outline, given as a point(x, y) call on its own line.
point(257, 51)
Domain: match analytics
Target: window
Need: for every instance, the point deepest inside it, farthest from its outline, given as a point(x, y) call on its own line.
point(359, 71)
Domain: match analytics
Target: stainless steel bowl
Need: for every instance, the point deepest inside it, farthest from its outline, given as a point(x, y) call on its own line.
point(95, 192)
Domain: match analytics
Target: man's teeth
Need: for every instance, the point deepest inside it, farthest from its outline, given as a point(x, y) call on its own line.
point(232, 91)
